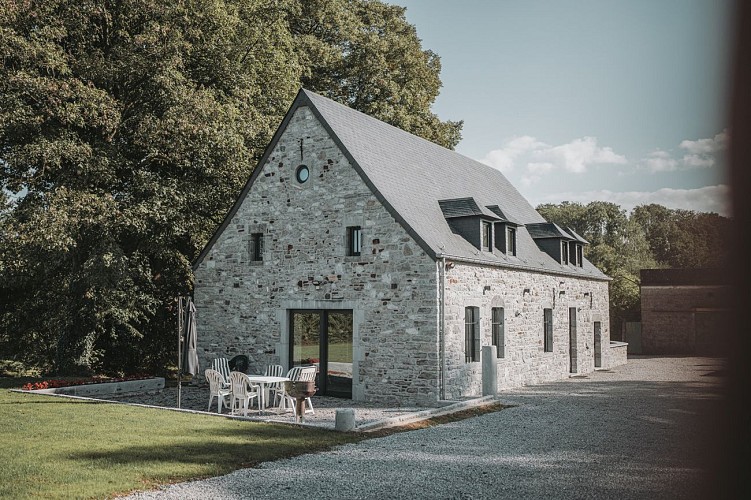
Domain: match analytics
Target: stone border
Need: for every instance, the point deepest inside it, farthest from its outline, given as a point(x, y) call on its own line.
point(123, 387)
point(419, 416)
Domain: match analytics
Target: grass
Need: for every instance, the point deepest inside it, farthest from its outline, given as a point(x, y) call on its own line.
point(61, 448)
point(337, 352)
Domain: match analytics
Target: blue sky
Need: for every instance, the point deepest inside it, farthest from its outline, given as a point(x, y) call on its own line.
point(585, 100)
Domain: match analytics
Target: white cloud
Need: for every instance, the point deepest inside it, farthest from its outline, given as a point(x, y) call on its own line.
point(503, 159)
point(661, 161)
point(540, 168)
point(706, 146)
point(698, 161)
point(701, 153)
point(706, 199)
point(578, 154)
point(537, 157)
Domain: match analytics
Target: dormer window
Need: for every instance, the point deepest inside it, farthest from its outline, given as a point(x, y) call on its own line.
point(487, 232)
point(470, 221)
point(576, 248)
point(564, 252)
point(510, 241)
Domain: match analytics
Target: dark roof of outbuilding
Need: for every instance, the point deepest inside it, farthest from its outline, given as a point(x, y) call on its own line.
point(409, 175)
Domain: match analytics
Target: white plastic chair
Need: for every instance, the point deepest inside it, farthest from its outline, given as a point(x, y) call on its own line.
point(301, 374)
point(278, 387)
point(242, 391)
point(222, 366)
point(217, 389)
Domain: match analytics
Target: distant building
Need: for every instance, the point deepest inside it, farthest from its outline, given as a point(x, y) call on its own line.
point(389, 262)
point(685, 311)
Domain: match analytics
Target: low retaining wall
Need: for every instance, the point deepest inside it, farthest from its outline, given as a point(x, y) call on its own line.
point(108, 388)
point(618, 353)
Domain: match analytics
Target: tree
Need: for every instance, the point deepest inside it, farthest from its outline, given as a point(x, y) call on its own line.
point(684, 238)
point(366, 55)
point(128, 129)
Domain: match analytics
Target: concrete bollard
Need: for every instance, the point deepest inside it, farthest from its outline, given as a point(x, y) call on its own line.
point(489, 370)
point(345, 419)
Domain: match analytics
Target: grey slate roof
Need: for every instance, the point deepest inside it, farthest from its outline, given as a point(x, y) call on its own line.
point(409, 175)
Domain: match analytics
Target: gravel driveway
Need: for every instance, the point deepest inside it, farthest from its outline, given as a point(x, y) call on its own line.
point(638, 431)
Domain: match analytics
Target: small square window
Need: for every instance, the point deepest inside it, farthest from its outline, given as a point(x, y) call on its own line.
point(256, 247)
point(354, 240)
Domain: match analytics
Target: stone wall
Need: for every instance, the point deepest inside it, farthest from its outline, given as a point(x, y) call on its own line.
point(524, 362)
point(242, 306)
point(685, 319)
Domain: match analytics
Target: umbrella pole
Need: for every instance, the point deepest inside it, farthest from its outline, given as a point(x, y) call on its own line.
point(179, 350)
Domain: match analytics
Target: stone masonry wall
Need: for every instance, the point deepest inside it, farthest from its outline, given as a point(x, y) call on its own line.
point(242, 306)
point(524, 362)
point(668, 315)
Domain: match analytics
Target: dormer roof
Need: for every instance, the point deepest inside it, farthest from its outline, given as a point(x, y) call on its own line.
point(503, 217)
point(465, 207)
point(544, 230)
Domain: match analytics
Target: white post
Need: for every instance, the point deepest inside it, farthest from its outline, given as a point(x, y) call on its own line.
point(489, 370)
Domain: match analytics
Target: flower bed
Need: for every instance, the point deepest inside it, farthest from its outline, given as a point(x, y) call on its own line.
point(56, 383)
point(93, 388)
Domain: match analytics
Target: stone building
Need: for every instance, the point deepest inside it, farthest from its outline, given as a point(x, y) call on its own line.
point(388, 262)
point(685, 311)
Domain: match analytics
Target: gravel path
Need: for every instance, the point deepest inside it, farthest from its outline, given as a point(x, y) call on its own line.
point(637, 431)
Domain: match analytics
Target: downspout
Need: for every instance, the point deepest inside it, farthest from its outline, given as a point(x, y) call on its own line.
point(441, 326)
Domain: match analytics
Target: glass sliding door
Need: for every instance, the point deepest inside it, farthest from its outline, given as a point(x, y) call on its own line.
point(323, 338)
point(339, 353)
point(306, 338)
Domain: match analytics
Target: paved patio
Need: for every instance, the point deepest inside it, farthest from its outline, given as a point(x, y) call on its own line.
point(196, 398)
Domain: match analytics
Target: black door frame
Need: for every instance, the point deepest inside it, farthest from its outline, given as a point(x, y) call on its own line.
point(597, 326)
point(572, 341)
point(323, 346)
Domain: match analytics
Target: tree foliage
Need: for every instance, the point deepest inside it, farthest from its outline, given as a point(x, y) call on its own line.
point(652, 236)
point(127, 129)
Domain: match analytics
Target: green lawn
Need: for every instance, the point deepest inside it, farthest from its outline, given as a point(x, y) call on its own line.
point(61, 448)
point(337, 352)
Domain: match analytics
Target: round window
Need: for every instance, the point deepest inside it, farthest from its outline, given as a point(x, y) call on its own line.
point(302, 174)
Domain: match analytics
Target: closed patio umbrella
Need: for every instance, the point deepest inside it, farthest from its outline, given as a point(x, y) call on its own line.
point(187, 353)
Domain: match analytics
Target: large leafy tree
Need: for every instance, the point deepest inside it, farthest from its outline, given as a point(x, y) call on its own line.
point(684, 238)
point(366, 55)
point(127, 129)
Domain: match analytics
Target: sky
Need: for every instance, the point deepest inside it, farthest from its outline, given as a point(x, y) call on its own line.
point(583, 100)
